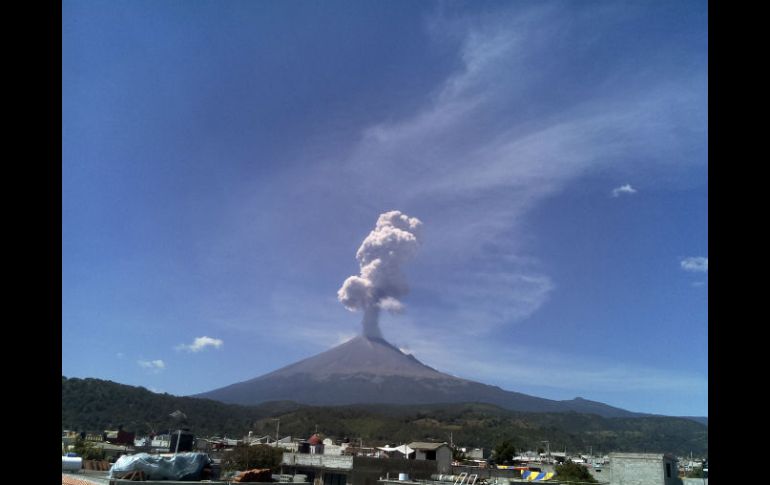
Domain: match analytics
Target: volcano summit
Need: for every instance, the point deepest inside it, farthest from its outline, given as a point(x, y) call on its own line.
point(368, 369)
point(371, 370)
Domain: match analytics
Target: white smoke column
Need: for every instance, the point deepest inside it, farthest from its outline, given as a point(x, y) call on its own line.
point(393, 241)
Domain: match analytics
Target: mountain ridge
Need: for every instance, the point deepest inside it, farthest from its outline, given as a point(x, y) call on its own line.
point(367, 370)
point(90, 404)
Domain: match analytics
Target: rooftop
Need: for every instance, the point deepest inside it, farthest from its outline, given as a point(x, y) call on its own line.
point(418, 445)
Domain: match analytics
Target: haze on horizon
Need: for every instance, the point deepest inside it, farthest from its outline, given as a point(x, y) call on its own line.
point(222, 162)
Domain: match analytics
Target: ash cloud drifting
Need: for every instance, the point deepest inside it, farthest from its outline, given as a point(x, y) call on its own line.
point(380, 284)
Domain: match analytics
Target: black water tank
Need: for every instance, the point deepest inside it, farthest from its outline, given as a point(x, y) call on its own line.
point(185, 441)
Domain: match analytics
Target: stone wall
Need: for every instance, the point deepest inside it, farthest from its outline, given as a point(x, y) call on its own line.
point(337, 462)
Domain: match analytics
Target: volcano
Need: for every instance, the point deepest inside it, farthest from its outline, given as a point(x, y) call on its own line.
point(368, 370)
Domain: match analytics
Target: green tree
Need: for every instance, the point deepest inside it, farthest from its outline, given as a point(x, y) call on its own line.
point(87, 450)
point(695, 473)
point(245, 457)
point(572, 472)
point(504, 452)
point(457, 454)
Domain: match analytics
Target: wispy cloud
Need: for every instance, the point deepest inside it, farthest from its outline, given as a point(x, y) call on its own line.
point(478, 155)
point(478, 302)
point(512, 366)
point(623, 189)
point(696, 264)
point(201, 343)
point(154, 366)
point(477, 158)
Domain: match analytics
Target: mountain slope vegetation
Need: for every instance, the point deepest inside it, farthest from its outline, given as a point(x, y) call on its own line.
point(96, 405)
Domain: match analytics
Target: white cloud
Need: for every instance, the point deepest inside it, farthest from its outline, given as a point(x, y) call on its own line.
point(201, 343)
point(478, 155)
point(153, 365)
point(696, 264)
point(623, 189)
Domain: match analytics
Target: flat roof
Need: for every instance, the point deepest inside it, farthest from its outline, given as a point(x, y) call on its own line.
point(418, 445)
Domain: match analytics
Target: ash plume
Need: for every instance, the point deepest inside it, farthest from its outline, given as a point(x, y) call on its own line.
point(380, 284)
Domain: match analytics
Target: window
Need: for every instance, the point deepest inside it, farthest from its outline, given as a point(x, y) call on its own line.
point(668, 470)
point(335, 479)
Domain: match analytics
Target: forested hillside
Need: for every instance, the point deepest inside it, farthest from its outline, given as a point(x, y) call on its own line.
point(95, 405)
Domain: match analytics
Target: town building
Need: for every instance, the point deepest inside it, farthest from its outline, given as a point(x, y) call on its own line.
point(417, 460)
point(474, 453)
point(321, 469)
point(438, 452)
point(643, 469)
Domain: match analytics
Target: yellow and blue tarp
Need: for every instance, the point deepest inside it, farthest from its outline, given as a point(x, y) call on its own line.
point(536, 476)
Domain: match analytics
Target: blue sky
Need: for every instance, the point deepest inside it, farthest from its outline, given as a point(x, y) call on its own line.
point(223, 161)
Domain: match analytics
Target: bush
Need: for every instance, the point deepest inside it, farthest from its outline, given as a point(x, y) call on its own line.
point(572, 472)
point(87, 450)
point(695, 473)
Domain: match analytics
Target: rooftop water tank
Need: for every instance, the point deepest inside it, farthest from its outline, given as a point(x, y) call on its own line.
point(71, 463)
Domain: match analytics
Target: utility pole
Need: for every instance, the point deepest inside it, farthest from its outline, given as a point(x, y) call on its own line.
point(178, 438)
point(277, 429)
point(178, 416)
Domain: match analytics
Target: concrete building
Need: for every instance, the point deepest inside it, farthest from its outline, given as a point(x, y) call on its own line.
point(313, 445)
point(321, 469)
point(69, 437)
point(474, 453)
point(286, 444)
point(119, 437)
point(113, 452)
point(643, 469)
point(402, 451)
point(333, 449)
point(438, 452)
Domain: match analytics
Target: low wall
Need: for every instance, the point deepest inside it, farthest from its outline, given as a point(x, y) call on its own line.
point(335, 462)
point(163, 482)
point(492, 472)
point(366, 470)
point(99, 465)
